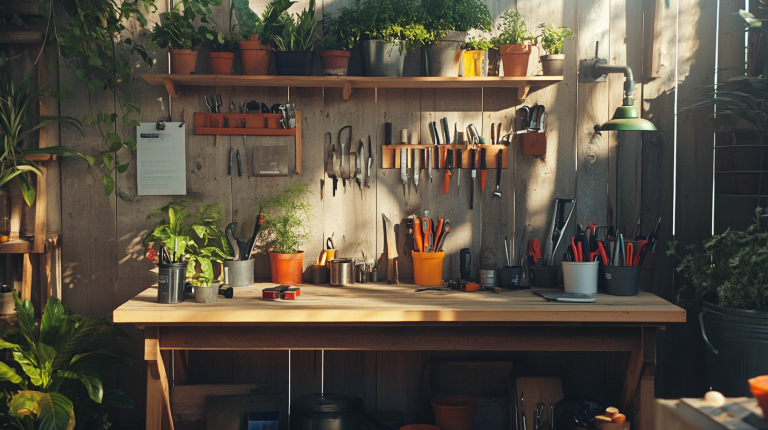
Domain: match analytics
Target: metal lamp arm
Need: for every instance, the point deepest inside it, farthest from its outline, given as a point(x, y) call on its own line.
point(629, 83)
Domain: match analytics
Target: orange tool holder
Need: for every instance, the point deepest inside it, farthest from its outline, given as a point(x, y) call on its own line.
point(283, 292)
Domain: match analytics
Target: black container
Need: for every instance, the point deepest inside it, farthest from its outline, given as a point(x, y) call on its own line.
point(737, 347)
point(621, 280)
point(294, 63)
point(170, 282)
point(326, 412)
point(510, 277)
point(544, 276)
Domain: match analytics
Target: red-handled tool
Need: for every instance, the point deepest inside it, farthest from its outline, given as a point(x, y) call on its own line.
point(426, 230)
point(600, 252)
point(630, 248)
point(576, 257)
point(534, 250)
point(280, 292)
point(448, 166)
point(417, 235)
point(483, 170)
point(639, 254)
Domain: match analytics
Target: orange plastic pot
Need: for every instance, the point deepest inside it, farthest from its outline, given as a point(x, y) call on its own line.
point(428, 268)
point(335, 62)
point(420, 427)
point(286, 268)
point(515, 59)
point(454, 412)
point(183, 61)
point(759, 388)
point(473, 63)
point(255, 56)
point(221, 62)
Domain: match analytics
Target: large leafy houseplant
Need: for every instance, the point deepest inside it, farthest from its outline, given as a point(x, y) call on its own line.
point(201, 241)
point(297, 34)
point(267, 26)
point(341, 31)
point(288, 219)
point(16, 124)
point(391, 21)
point(177, 30)
point(55, 379)
point(441, 16)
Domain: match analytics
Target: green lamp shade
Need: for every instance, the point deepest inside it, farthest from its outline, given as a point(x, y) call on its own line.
point(627, 119)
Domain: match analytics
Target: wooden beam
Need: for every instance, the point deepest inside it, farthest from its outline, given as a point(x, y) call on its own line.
point(630, 381)
point(157, 381)
point(41, 212)
point(26, 278)
point(655, 24)
point(346, 91)
point(299, 169)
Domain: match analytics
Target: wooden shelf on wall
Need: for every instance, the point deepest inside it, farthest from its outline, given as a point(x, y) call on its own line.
point(24, 246)
point(524, 84)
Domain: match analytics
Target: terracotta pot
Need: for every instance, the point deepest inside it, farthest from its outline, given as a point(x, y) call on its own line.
point(759, 388)
point(454, 412)
point(515, 59)
point(286, 268)
point(183, 61)
point(255, 56)
point(335, 62)
point(552, 65)
point(221, 62)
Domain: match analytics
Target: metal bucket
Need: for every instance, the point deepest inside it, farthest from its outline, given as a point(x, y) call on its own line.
point(342, 272)
point(207, 294)
point(489, 277)
point(443, 58)
point(737, 347)
point(240, 272)
point(170, 282)
point(383, 59)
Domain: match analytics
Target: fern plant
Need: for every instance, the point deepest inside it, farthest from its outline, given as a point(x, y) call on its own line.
point(297, 34)
point(266, 26)
point(340, 31)
point(55, 379)
point(288, 219)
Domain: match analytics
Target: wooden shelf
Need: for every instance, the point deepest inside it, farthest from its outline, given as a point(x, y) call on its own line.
point(23, 246)
point(524, 84)
point(36, 157)
point(390, 156)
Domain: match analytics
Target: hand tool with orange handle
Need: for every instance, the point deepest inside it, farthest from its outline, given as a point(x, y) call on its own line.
point(629, 254)
point(534, 252)
point(438, 230)
point(417, 235)
point(640, 253)
point(459, 165)
point(448, 166)
point(483, 170)
point(472, 174)
point(441, 234)
point(426, 230)
point(576, 257)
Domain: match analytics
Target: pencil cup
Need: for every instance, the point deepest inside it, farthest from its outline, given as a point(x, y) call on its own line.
point(580, 277)
point(544, 276)
point(428, 268)
point(240, 272)
point(622, 280)
point(170, 282)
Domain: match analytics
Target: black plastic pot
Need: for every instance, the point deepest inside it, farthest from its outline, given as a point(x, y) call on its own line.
point(736, 347)
point(294, 63)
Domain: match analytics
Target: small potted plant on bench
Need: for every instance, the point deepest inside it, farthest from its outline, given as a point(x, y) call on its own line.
point(514, 43)
point(340, 36)
point(551, 39)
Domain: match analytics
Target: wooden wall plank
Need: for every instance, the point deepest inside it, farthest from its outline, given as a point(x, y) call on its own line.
point(397, 386)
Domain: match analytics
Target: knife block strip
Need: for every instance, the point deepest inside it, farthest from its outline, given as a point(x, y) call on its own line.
point(213, 123)
point(390, 156)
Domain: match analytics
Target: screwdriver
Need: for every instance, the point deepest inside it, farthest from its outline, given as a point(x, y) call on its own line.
point(458, 166)
point(483, 170)
point(448, 165)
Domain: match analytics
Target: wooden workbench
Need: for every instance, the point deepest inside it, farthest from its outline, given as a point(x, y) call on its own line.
point(383, 317)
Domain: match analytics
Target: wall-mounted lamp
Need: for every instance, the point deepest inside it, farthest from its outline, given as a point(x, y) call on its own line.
point(626, 117)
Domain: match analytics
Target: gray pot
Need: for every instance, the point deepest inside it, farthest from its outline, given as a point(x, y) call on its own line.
point(494, 60)
point(552, 65)
point(207, 294)
point(239, 273)
point(383, 59)
point(443, 58)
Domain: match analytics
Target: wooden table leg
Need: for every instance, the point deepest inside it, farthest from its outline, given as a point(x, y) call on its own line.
point(158, 399)
point(645, 407)
point(26, 278)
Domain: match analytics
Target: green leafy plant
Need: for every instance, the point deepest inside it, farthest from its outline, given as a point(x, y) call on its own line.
point(340, 32)
point(55, 379)
point(288, 219)
point(512, 30)
point(177, 30)
point(266, 26)
point(201, 242)
point(15, 125)
point(479, 44)
point(441, 16)
point(391, 20)
point(297, 34)
point(731, 271)
point(552, 38)
point(225, 42)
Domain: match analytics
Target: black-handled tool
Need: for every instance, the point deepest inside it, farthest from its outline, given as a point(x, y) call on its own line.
point(447, 131)
point(231, 161)
point(459, 165)
point(437, 133)
point(465, 263)
point(239, 165)
point(473, 173)
point(497, 193)
point(227, 292)
point(483, 170)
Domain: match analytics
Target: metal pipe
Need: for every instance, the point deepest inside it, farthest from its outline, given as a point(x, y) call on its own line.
point(629, 83)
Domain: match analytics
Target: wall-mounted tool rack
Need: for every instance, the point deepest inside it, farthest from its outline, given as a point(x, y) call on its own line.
point(390, 156)
point(213, 124)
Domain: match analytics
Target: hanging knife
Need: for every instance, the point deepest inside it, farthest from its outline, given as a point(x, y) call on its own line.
point(370, 163)
point(416, 160)
point(292, 121)
point(447, 131)
point(343, 144)
point(331, 168)
point(358, 170)
point(404, 168)
point(472, 174)
point(459, 163)
point(437, 133)
point(429, 164)
point(483, 170)
point(448, 165)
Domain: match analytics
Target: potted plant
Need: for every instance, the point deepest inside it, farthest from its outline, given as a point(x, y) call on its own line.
point(551, 39)
point(389, 29)
point(511, 43)
point(474, 56)
point(55, 378)
point(728, 282)
point(257, 33)
point(16, 125)
point(340, 35)
point(201, 242)
point(177, 33)
point(287, 226)
point(294, 46)
point(447, 23)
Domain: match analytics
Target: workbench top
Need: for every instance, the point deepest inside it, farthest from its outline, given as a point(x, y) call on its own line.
point(382, 303)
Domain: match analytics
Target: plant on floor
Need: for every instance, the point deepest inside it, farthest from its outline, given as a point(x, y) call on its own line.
point(731, 271)
point(552, 38)
point(512, 30)
point(390, 21)
point(479, 44)
point(340, 31)
point(16, 124)
point(288, 219)
point(176, 29)
point(441, 16)
point(297, 34)
point(201, 242)
point(55, 381)
point(266, 26)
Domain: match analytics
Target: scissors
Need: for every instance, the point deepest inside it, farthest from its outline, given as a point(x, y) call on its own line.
point(442, 235)
point(426, 228)
point(329, 244)
point(214, 104)
point(638, 255)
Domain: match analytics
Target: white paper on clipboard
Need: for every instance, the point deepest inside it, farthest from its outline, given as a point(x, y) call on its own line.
point(161, 159)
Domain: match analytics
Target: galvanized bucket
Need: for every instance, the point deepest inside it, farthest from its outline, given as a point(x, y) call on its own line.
point(383, 59)
point(443, 58)
point(240, 273)
point(737, 347)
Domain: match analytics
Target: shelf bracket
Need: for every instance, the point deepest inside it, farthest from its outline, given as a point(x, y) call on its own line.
point(523, 92)
point(173, 90)
point(347, 90)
